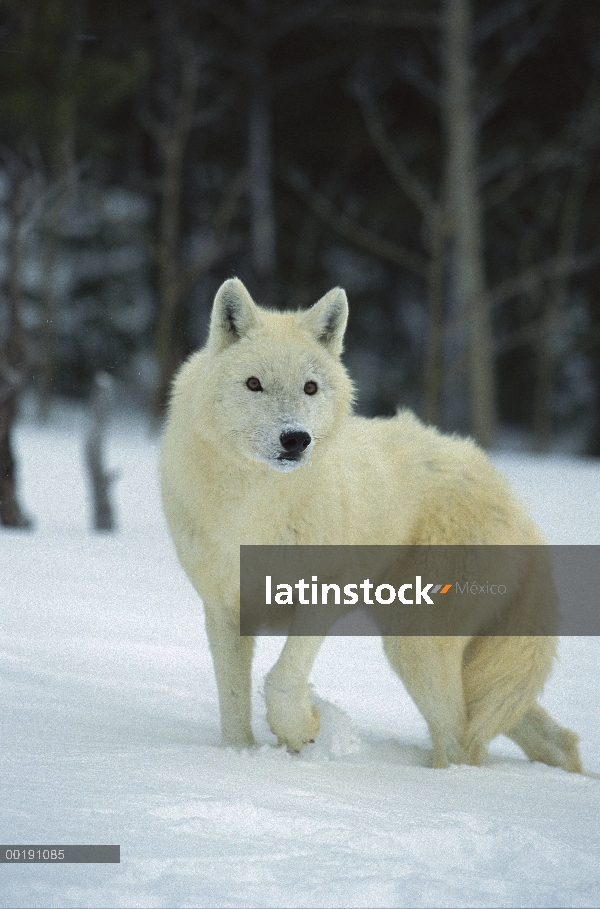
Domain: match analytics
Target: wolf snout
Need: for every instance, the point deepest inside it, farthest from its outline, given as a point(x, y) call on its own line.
point(294, 442)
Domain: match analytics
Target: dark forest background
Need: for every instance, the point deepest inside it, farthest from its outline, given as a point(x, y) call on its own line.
point(440, 159)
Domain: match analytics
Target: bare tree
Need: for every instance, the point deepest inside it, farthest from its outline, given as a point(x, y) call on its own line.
point(561, 173)
point(584, 135)
point(460, 348)
point(434, 215)
point(467, 265)
point(260, 160)
point(456, 222)
point(258, 27)
point(64, 172)
point(170, 122)
point(554, 307)
point(15, 359)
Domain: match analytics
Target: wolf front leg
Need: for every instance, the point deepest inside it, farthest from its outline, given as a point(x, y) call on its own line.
point(290, 711)
point(232, 659)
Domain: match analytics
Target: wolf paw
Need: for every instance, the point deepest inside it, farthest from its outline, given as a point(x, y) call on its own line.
point(297, 736)
point(447, 749)
point(237, 739)
point(571, 759)
point(291, 715)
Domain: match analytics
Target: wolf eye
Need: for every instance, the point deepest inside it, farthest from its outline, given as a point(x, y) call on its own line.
point(310, 388)
point(254, 384)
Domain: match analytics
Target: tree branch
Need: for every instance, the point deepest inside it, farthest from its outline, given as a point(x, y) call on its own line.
point(548, 159)
point(347, 227)
point(216, 247)
point(521, 49)
point(310, 69)
point(153, 126)
point(531, 277)
point(526, 334)
point(387, 17)
point(499, 17)
point(252, 33)
point(416, 191)
point(241, 25)
point(299, 16)
point(411, 70)
point(581, 135)
point(214, 111)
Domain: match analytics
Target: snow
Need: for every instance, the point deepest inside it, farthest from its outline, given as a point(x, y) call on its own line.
point(110, 731)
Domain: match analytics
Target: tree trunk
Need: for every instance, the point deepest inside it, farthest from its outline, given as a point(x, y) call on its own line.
point(466, 226)
point(260, 167)
point(14, 360)
point(555, 301)
point(172, 135)
point(434, 357)
point(593, 447)
point(50, 307)
point(63, 169)
point(100, 479)
point(168, 273)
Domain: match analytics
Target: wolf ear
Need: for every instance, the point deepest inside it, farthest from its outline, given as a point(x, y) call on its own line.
point(234, 314)
point(327, 320)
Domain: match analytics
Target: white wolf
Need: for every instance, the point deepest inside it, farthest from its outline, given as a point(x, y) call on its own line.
point(261, 447)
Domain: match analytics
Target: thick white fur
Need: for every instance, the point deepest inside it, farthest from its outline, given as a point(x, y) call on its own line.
point(361, 481)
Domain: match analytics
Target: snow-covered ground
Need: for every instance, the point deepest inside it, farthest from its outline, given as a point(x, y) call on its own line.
point(110, 732)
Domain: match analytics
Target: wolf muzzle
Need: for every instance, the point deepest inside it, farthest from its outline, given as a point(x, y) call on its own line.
point(294, 443)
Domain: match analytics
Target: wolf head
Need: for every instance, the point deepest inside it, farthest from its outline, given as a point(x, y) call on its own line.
point(270, 386)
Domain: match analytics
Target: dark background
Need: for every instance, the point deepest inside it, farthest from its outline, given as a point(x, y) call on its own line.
point(439, 160)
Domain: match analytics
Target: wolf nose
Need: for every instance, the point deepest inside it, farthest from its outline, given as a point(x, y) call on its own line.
point(296, 442)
